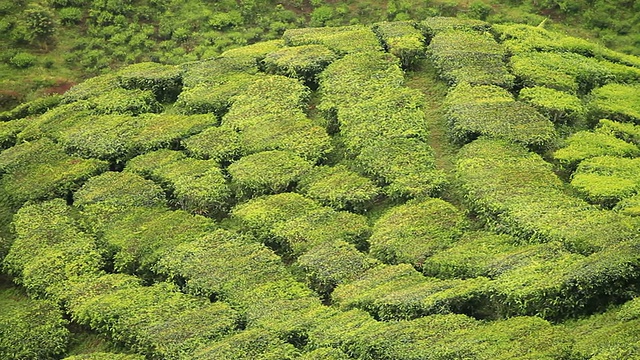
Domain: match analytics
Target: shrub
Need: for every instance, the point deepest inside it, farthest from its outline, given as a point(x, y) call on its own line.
point(216, 70)
point(557, 106)
point(261, 214)
point(437, 24)
point(301, 62)
point(105, 356)
point(297, 235)
point(30, 108)
point(221, 144)
point(629, 206)
point(616, 102)
point(139, 238)
point(70, 15)
point(91, 87)
point(338, 187)
point(341, 40)
point(605, 180)
point(402, 39)
point(405, 165)
point(326, 353)
point(465, 56)
point(31, 329)
point(252, 55)
point(165, 81)
point(121, 190)
point(332, 263)
point(584, 145)
point(131, 102)
point(213, 97)
point(23, 60)
point(412, 232)
point(248, 345)
point(9, 131)
point(624, 131)
point(473, 111)
point(266, 172)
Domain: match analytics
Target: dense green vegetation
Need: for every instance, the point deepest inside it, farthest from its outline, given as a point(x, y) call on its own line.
point(293, 198)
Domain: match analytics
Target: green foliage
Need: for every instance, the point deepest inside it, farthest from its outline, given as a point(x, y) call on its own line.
point(438, 24)
point(267, 172)
point(214, 96)
point(131, 102)
point(625, 131)
point(412, 232)
point(104, 356)
point(121, 137)
point(261, 214)
point(249, 345)
point(341, 40)
point(299, 234)
point(557, 106)
point(164, 81)
point(517, 192)
point(269, 116)
point(332, 263)
point(338, 187)
point(399, 292)
point(221, 144)
point(197, 186)
point(487, 110)
point(218, 70)
point(325, 353)
point(467, 56)
point(406, 165)
point(302, 62)
point(49, 250)
point(9, 131)
point(23, 60)
point(585, 144)
point(41, 170)
point(606, 180)
point(616, 102)
point(402, 39)
point(252, 55)
point(31, 329)
point(91, 87)
point(140, 237)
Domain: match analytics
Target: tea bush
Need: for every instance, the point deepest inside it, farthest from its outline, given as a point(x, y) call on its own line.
point(402, 39)
point(303, 62)
point(557, 106)
point(165, 81)
point(213, 97)
point(437, 24)
point(341, 40)
point(606, 180)
point(584, 145)
point(221, 144)
point(121, 101)
point(624, 131)
point(617, 102)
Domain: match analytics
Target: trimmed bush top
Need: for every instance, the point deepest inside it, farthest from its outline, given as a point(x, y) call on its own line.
point(617, 102)
point(303, 62)
point(402, 39)
point(585, 144)
point(437, 24)
point(341, 40)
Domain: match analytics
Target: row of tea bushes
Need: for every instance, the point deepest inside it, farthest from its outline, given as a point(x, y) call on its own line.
point(402, 39)
point(341, 40)
point(491, 111)
point(392, 148)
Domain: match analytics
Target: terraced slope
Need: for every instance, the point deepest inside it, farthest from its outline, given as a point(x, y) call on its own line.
point(300, 199)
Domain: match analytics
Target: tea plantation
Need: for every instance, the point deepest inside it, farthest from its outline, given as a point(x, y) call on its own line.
point(292, 199)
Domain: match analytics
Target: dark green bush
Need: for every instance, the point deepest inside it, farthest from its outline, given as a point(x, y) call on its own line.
point(165, 81)
point(30, 108)
point(267, 172)
point(402, 39)
point(9, 131)
point(466, 56)
point(338, 187)
point(221, 144)
point(105, 356)
point(412, 232)
point(557, 106)
point(341, 40)
point(23, 60)
point(31, 329)
point(302, 62)
point(248, 345)
point(616, 102)
point(214, 97)
point(585, 144)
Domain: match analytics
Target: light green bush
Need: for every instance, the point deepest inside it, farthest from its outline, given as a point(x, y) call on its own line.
point(606, 180)
point(91, 87)
point(221, 144)
point(303, 62)
point(249, 345)
point(338, 187)
point(412, 232)
point(30, 108)
point(617, 102)
point(557, 106)
point(625, 131)
point(165, 81)
point(341, 40)
point(105, 356)
point(585, 144)
point(437, 24)
point(402, 39)
point(214, 97)
point(121, 101)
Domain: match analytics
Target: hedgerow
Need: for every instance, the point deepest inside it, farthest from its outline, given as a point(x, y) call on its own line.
point(466, 56)
point(92, 87)
point(9, 131)
point(557, 106)
point(219, 143)
point(488, 110)
point(165, 81)
point(252, 55)
point(31, 108)
point(585, 144)
point(437, 24)
point(198, 186)
point(617, 102)
point(303, 62)
point(248, 345)
point(412, 232)
point(268, 172)
point(625, 131)
point(339, 188)
point(216, 71)
point(517, 192)
point(341, 40)
point(214, 96)
point(105, 356)
point(402, 39)
point(605, 180)
point(31, 329)
point(121, 101)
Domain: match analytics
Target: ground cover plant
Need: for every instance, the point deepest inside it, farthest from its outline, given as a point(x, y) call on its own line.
point(299, 198)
